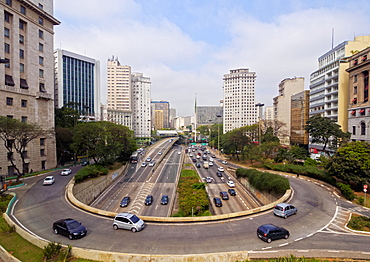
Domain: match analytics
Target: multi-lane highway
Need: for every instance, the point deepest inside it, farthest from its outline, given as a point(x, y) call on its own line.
point(318, 225)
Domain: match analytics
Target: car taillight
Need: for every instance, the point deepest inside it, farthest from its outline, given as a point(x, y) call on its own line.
point(265, 235)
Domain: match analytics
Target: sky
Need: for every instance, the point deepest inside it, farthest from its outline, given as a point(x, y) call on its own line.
point(186, 46)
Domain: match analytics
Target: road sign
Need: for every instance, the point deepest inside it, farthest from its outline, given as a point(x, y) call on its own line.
point(365, 186)
point(365, 190)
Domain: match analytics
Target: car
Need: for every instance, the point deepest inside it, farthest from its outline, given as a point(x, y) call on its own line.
point(70, 228)
point(151, 163)
point(164, 200)
point(128, 221)
point(144, 164)
point(49, 180)
point(125, 201)
point(232, 191)
point(148, 200)
point(198, 156)
point(85, 163)
point(213, 156)
point(191, 155)
point(198, 165)
point(269, 232)
point(148, 159)
point(230, 183)
point(210, 163)
point(210, 159)
point(159, 153)
point(209, 179)
point(284, 210)
point(194, 160)
point(179, 152)
point(224, 162)
point(221, 169)
point(217, 201)
point(224, 195)
point(66, 172)
point(219, 174)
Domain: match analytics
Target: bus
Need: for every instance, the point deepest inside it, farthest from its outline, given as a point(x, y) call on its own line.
point(134, 157)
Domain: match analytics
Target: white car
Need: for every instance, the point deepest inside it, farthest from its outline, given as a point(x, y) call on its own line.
point(221, 169)
point(49, 180)
point(152, 163)
point(66, 172)
point(179, 152)
point(210, 163)
point(148, 159)
point(230, 183)
point(144, 164)
point(209, 179)
point(191, 155)
point(210, 159)
point(224, 162)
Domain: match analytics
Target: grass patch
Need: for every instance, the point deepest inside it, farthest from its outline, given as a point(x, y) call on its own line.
point(360, 223)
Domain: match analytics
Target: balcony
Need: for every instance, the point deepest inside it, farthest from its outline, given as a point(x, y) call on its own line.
point(42, 95)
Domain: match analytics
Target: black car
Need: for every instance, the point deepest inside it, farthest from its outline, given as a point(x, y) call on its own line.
point(232, 192)
point(217, 201)
point(194, 160)
point(219, 174)
point(271, 232)
point(125, 201)
point(70, 228)
point(198, 165)
point(224, 195)
point(164, 200)
point(148, 200)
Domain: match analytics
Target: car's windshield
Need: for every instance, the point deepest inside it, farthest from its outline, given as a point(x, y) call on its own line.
point(73, 224)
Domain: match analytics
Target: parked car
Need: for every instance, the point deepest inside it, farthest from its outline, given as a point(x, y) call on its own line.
point(128, 221)
point(49, 180)
point(230, 183)
point(284, 210)
point(164, 200)
point(217, 201)
point(66, 172)
point(125, 201)
point(224, 195)
point(70, 228)
point(148, 200)
point(232, 192)
point(221, 169)
point(271, 232)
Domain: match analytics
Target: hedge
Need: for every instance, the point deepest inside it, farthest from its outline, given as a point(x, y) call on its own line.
point(90, 171)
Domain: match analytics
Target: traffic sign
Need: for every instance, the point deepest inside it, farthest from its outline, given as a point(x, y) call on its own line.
point(365, 186)
point(365, 190)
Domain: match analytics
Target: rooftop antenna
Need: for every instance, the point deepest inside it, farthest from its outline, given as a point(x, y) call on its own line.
point(332, 38)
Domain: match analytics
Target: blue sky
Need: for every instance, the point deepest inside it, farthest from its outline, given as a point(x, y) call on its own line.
point(186, 46)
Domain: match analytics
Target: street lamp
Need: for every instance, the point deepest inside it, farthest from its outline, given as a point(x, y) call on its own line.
point(210, 132)
point(259, 105)
point(218, 133)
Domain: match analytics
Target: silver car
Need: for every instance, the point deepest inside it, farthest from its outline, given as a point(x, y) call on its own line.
point(128, 221)
point(284, 210)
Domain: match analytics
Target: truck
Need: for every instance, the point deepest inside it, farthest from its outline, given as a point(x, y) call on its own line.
point(205, 165)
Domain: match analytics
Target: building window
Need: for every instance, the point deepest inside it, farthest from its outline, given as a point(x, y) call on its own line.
point(41, 47)
point(24, 119)
point(41, 60)
point(42, 152)
point(22, 25)
point(355, 62)
point(363, 128)
point(6, 48)
point(355, 79)
point(10, 156)
point(24, 103)
point(41, 6)
point(21, 39)
point(21, 68)
point(366, 86)
point(6, 32)
point(9, 116)
point(7, 16)
point(41, 21)
point(25, 154)
point(41, 34)
point(9, 101)
point(364, 58)
point(8, 2)
point(23, 9)
point(355, 90)
point(21, 53)
point(41, 73)
point(42, 141)
point(42, 88)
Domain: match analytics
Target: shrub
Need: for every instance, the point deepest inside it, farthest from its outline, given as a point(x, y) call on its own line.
point(346, 190)
point(52, 250)
point(361, 200)
point(90, 171)
point(359, 223)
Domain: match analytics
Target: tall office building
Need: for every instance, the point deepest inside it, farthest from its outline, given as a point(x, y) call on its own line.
point(329, 84)
point(239, 102)
point(119, 108)
point(299, 115)
point(27, 80)
point(77, 81)
point(282, 104)
point(160, 111)
point(141, 121)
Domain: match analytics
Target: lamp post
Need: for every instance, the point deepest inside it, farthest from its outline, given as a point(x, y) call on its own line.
point(218, 133)
point(259, 105)
point(210, 133)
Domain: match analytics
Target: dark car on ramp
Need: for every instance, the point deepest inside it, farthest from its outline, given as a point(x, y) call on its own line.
point(269, 232)
point(125, 201)
point(70, 228)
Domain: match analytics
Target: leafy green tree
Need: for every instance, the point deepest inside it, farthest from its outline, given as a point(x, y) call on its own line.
point(66, 117)
point(64, 139)
point(351, 163)
point(269, 136)
point(325, 131)
point(298, 152)
point(235, 141)
point(16, 135)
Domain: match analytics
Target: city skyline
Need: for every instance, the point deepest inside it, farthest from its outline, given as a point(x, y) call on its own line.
point(189, 46)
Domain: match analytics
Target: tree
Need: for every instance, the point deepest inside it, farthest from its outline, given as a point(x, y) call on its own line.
point(66, 117)
point(234, 141)
point(325, 131)
point(64, 139)
point(17, 135)
point(277, 128)
point(351, 163)
point(269, 136)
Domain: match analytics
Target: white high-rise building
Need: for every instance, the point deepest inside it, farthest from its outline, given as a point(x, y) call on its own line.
point(141, 122)
point(239, 101)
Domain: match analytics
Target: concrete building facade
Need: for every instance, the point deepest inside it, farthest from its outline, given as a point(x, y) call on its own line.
point(359, 105)
point(208, 115)
point(300, 104)
point(269, 113)
point(27, 80)
point(239, 99)
point(282, 104)
point(160, 112)
point(77, 80)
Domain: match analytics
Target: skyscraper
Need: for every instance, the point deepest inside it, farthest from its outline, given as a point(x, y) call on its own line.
point(239, 102)
point(77, 80)
point(160, 111)
point(27, 81)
